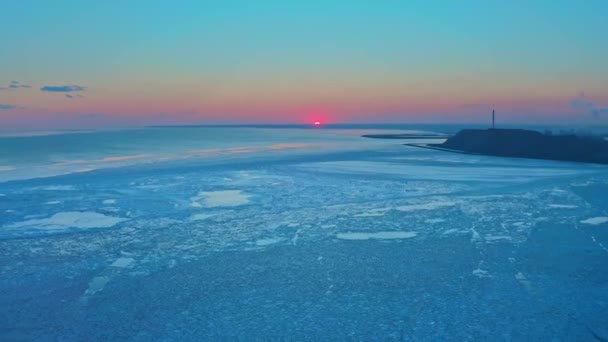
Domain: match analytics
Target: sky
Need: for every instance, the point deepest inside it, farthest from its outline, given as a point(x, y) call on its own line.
point(89, 64)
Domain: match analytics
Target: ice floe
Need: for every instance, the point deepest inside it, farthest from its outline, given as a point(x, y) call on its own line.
point(492, 238)
point(223, 198)
point(434, 220)
point(97, 284)
point(595, 220)
point(201, 217)
point(563, 206)
point(109, 201)
point(427, 206)
point(375, 235)
point(266, 242)
point(55, 188)
point(123, 262)
point(69, 219)
point(481, 273)
point(374, 212)
point(524, 282)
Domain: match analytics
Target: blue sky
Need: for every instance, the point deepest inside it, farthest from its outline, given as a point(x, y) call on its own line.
point(289, 61)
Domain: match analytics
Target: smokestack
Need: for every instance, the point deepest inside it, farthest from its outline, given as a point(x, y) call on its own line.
point(493, 118)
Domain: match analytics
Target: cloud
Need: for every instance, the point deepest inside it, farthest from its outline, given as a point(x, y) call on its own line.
point(71, 97)
point(63, 89)
point(6, 106)
point(581, 103)
point(476, 106)
point(15, 85)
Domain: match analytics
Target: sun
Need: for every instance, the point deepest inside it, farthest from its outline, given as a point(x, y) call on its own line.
point(317, 123)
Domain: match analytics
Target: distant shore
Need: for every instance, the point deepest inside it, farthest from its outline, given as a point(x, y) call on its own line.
point(520, 143)
point(406, 136)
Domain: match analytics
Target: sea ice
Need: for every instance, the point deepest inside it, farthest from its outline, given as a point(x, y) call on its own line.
point(426, 206)
point(374, 212)
point(562, 206)
point(481, 273)
point(223, 198)
point(123, 262)
point(527, 285)
point(376, 235)
point(595, 220)
point(69, 219)
point(201, 217)
point(498, 238)
point(55, 188)
point(97, 284)
point(266, 242)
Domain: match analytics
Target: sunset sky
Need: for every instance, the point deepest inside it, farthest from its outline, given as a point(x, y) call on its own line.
point(77, 64)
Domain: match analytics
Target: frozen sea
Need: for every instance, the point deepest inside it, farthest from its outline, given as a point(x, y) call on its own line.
point(237, 233)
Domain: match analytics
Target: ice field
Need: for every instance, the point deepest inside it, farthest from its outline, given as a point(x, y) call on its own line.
point(293, 234)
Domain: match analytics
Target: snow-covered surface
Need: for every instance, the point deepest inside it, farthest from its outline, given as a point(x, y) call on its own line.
point(323, 236)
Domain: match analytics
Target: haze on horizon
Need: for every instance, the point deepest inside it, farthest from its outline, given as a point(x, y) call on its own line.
point(74, 64)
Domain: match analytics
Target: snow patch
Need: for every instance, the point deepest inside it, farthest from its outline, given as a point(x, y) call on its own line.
point(375, 236)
